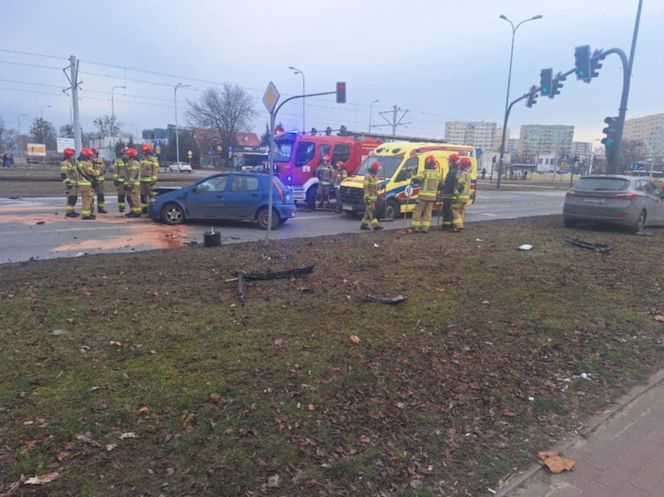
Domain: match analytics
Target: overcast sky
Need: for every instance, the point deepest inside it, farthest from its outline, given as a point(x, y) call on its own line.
point(441, 59)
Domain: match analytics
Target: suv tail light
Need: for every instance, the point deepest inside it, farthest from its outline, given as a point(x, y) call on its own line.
point(626, 196)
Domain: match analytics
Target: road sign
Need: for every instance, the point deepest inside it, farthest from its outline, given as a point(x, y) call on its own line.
point(270, 97)
point(36, 149)
point(65, 143)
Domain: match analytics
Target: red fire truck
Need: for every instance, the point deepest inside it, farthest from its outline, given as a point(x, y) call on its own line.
point(297, 156)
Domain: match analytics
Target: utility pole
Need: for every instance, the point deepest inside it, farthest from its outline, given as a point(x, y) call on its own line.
point(177, 139)
point(72, 77)
point(396, 118)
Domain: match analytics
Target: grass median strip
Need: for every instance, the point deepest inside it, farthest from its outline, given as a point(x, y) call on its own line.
point(163, 383)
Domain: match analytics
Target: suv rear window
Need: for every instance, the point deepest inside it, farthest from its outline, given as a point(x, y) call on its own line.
point(606, 184)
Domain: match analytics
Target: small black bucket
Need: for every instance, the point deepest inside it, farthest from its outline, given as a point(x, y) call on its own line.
point(212, 239)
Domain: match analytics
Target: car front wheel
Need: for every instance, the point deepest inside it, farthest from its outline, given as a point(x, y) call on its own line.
point(172, 213)
point(262, 218)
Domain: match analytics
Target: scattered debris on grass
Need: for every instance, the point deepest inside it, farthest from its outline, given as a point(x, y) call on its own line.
point(279, 275)
point(42, 479)
point(555, 462)
point(40, 222)
point(601, 248)
point(355, 340)
point(58, 332)
point(384, 300)
point(525, 247)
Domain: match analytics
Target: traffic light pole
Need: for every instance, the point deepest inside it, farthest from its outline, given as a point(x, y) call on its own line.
point(273, 120)
point(531, 93)
point(614, 158)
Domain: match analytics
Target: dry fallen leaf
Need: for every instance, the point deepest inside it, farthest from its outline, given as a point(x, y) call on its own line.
point(355, 339)
point(659, 317)
point(110, 447)
point(215, 397)
point(143, 410)
point(129, 434)
point(555, 462)
point(274, 481)
point(42, 479)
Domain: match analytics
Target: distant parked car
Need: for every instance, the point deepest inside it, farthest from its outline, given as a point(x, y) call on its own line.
point(179, 167)
point(236, 196)
point(632, 201)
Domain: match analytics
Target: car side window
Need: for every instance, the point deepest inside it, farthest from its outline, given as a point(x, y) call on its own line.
point(305, 153)
point(408, 170)
point(212, 185)
point(244, 184)
point(341, 153)
point(640, 186)
point(324, 150)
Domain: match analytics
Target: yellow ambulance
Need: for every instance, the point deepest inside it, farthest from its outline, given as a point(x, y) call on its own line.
point(399, 162)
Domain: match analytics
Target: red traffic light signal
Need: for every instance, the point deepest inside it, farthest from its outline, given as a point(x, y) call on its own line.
point(341, 92)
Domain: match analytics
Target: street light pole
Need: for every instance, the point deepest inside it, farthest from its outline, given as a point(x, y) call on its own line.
point(19, 122)
point(177, 140)
point(41, 111)
point(113, 115)
point(371, 112)
point(299, 71)
point(507, 96)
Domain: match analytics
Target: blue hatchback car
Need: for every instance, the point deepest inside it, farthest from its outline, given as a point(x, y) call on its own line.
point(232, 196)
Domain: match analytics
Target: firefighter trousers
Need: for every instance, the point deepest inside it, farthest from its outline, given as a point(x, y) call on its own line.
point(458, 209)
point(134, 200)
point(369, 217)
point(88, 200)
point(72, 196)
point(422, 215)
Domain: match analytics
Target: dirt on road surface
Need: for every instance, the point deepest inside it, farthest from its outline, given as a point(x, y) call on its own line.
point(143, 374)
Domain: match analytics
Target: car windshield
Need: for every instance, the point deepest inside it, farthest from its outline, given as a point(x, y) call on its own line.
point(284, 149)
point(388, 165)
point(606, 184)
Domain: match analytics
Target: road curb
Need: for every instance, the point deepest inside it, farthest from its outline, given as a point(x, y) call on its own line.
point(623, 402)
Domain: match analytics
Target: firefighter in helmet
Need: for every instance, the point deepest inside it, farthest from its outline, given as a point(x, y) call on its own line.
point(87, 179)
point(119, 177)
point(448, 190)
point(132, 183)
point(325, 175)
point(340, 174)
point(428, 182)
point(463, 194)
point(149, 170)
point(70, 177)
point(371, 198)
point(98, 185)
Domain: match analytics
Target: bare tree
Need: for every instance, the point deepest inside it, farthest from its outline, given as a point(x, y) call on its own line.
point(7, 137)
point(633, 151)
point(228, 110)
point(107, 126)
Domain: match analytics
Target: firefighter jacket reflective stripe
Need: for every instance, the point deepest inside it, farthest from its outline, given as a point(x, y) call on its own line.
point(340, 176)
point(370, 187)
point(428, 181)
point(149, 170)
point(68, 172)
point(87, 173)
point(119, 171)
point(133, 173)
point(463, 186)
point(325, 174)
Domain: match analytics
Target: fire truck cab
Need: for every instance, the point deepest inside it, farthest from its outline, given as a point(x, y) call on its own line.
point(297, 157)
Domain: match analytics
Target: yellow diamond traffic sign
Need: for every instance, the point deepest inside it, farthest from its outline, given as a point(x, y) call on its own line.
point(270, 97)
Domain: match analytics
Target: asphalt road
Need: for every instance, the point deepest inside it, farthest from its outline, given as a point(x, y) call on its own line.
point(36, 227)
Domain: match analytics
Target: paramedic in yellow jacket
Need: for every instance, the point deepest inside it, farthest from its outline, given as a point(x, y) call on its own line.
point(428, 182)
point(371, 198)
point(463, 194)
point(149, 170)
point(69, 176)
point(98, 185)
point(87, 178)
point(132, 183)
point(119, 177)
